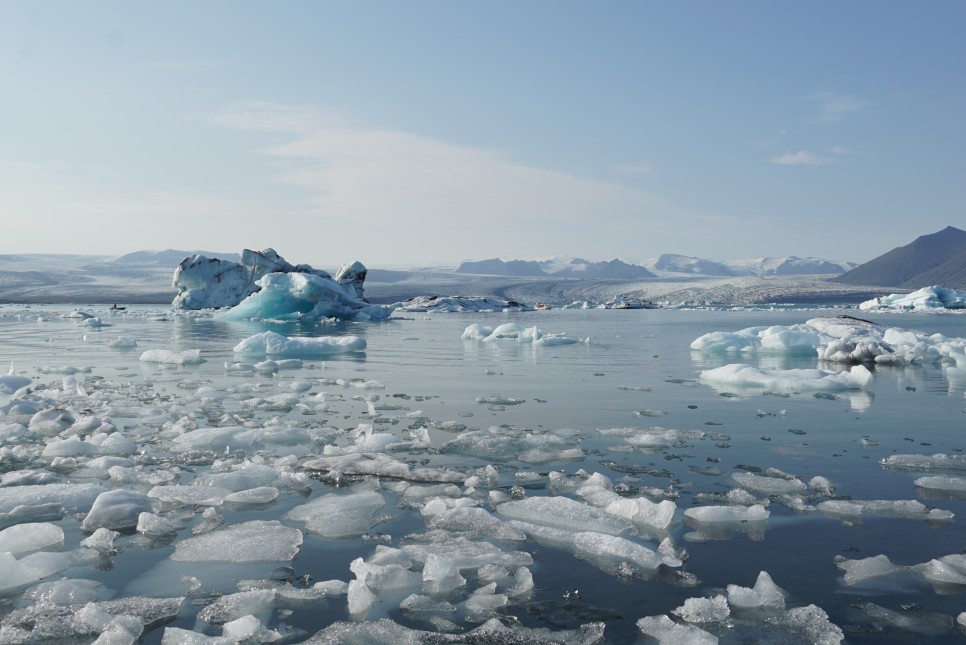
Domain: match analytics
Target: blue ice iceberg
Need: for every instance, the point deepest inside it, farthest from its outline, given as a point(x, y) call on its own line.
point(303, 296)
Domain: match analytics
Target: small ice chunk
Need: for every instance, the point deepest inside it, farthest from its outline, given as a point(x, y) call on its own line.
point(704, 610)
point(118, 509)
point(441, 575)
point(237, 605)
point(151, 524)
point(769, 485)
point(10, 382)
point(101, 540)
point(668, 632)
point(765, 596)
point(727, 514)
point(248, 629)
point(258, 495)
point(863, 570)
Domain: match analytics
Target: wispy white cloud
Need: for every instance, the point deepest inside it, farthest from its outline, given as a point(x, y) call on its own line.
point(411, 187)
point(833, 108)
point(800, 158)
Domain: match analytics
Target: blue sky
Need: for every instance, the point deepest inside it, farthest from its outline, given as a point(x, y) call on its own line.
point(431, 132)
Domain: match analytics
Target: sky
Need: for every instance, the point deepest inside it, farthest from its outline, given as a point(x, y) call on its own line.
point(429, 132)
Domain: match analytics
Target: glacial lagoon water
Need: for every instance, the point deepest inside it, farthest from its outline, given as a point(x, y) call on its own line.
point(544, 418)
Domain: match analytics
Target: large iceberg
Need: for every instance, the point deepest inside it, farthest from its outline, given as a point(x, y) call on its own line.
point(210, 283)
point(933, 298)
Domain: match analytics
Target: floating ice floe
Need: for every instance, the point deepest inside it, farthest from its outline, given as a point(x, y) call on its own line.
point(842, 339)
point(273, 344)
point(943, 486)
point(794, 380)
point(519, 333)
point(934, 298)
point(254, 541)
point(303, 296)
point(947, 573)
point(926, 463)
point(339, 516)
point(186, 357)
point(851, 510)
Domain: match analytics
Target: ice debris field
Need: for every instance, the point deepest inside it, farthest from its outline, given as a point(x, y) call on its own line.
point(249, 492)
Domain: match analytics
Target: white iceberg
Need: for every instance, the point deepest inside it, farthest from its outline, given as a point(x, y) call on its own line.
point(934, 298)
point(841, 339)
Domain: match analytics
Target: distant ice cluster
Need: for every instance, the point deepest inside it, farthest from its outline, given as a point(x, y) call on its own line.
point(933, 298)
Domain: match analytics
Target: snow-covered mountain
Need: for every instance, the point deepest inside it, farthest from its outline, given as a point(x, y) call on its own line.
point(674, 263)
point(579, 268)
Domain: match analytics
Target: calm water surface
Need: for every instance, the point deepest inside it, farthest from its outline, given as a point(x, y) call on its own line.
point(637, 371)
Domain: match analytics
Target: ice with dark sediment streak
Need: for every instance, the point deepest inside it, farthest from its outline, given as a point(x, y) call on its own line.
point(339, 516)
point(769, 485)
point(253, 541)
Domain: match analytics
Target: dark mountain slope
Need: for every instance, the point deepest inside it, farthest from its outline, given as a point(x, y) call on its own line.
point(939, 258)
